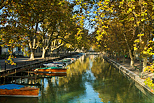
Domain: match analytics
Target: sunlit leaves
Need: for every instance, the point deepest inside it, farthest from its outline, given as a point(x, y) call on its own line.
point(26, 15)
point(149, 83)
point(140, 35)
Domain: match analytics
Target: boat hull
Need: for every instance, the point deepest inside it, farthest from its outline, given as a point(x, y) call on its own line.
point(56, 64)
point(22, 92)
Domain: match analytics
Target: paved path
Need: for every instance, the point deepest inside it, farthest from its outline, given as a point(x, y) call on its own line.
point(20, 62)
point(137, 70)
point(24, 61)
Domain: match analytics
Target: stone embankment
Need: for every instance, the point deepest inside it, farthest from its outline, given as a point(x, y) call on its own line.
point(132, 73)
point(24, 64)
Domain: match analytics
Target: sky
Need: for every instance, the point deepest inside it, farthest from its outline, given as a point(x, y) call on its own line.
point(87, 22)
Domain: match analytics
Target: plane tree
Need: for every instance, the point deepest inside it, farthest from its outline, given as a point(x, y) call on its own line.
point(25, 14)
point(53, 17)
point(55, 26)
point(143, 45)
point(132, 17)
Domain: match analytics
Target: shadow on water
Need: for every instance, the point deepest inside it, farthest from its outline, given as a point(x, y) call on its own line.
point(18, 100)
point(89, 79)
point(114, 87)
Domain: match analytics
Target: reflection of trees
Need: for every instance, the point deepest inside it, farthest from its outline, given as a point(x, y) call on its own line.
point(64, 88)
point(112, 86)
point(109, 83)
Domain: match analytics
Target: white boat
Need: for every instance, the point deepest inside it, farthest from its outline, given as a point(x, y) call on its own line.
point(72, 59)
point(55, 64)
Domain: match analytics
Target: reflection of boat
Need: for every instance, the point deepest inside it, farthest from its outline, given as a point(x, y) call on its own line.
point(18, 90)
point(51, 69)
point(52, 74)
point(18, 100)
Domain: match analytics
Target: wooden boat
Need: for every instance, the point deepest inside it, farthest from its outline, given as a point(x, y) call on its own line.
point(18, 91)
point(51, 69)
point(55, 64)
point(66, 60)
point(70, 58)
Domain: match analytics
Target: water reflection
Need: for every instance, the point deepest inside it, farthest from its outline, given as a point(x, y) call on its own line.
point(18, 100)
point(90, 79)
point(113, 87)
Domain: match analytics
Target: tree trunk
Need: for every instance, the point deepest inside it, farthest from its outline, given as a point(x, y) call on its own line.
point(129, 48)
point(150, 59)
point(124, 56)
point(32, 55)
point(144, 63)
point(132, 58)
point(57, 52)
point(43, 53)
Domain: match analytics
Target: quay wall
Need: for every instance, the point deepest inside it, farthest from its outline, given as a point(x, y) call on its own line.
point(131, 75)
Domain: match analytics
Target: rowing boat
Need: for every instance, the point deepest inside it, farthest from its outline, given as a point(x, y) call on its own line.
point(51, 70)
point(55, 64)
point(16, 90)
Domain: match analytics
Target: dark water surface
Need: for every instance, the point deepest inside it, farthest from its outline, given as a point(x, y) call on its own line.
point(89, 80)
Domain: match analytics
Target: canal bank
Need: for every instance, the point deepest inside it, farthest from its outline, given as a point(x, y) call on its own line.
point(24, 64)
point(90, 79)
point(132, 72)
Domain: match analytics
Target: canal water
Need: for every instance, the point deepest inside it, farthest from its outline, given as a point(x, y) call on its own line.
point(89, 80)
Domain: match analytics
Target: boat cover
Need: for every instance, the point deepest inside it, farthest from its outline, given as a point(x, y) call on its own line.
point(11, 86)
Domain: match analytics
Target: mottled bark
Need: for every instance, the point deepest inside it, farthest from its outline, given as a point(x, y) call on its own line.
point(32, 54)
point(43, 53)
point(144, 63)
point(132, 58)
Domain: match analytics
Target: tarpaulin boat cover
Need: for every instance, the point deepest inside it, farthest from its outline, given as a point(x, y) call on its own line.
point(11, 86)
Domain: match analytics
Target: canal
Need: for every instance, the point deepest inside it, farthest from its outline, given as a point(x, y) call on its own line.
point(89, 80)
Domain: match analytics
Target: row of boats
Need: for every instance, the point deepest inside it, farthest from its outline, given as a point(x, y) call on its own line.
point(58, 66)
point(49, 68)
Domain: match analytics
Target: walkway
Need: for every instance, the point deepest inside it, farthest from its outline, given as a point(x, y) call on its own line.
point(137, 69)
point(133, 72)
point(25, 61)
point(20, 62)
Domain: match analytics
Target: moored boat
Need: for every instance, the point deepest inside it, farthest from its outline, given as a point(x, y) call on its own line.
point(70, 59)
point(55, 64)
point(18, 91)
point(51, 70)
point(66, 60)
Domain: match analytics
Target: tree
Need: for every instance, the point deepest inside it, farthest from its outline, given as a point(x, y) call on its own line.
point(54, 17)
